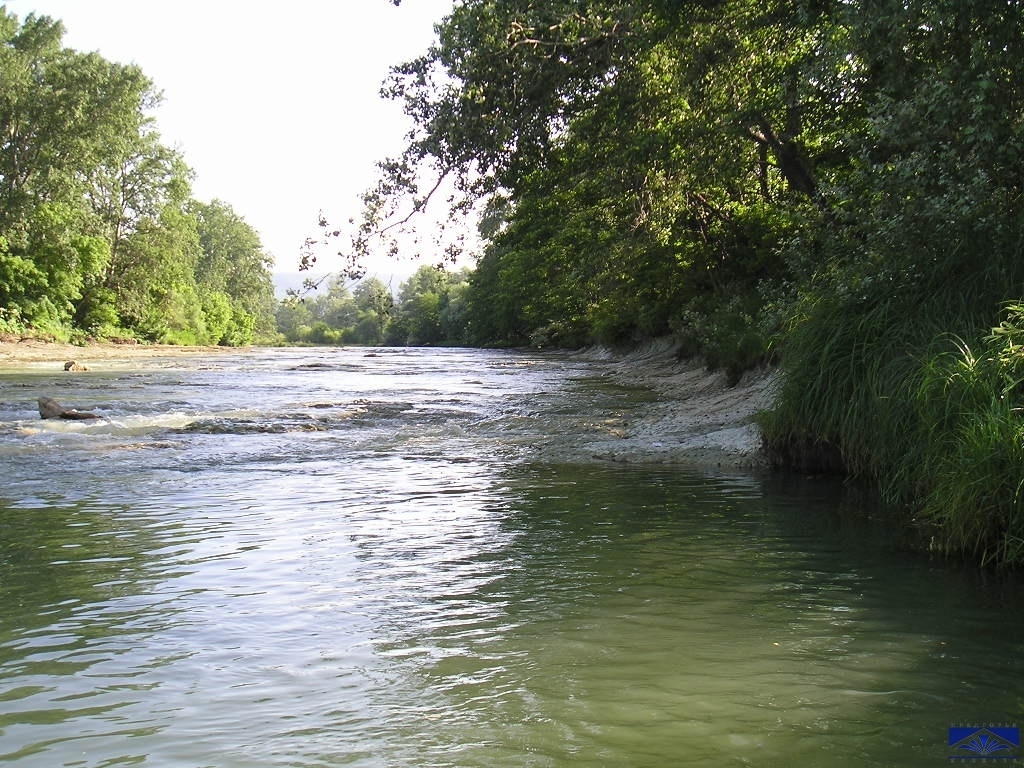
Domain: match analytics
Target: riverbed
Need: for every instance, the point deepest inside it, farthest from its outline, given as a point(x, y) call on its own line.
point(435, 558)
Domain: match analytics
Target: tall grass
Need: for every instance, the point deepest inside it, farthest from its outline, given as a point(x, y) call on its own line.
point(884, 392)
point(971, 412)
point(844, 402)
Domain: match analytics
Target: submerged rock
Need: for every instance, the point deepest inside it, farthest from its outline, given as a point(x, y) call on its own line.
point(51, 409)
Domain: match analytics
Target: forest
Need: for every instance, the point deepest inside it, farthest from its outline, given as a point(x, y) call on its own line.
point(429, 309)
point(832, 187)
point(100, 237)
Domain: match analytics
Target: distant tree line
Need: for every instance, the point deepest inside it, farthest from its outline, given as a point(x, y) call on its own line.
point(99, 234)
point(429, 310)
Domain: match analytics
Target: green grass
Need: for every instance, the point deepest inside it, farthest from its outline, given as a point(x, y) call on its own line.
point(971, 413)
point(886, 393)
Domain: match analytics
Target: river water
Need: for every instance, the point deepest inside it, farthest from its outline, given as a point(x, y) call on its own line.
point(406, 558)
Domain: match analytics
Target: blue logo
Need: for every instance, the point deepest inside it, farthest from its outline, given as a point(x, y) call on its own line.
point(985, 742)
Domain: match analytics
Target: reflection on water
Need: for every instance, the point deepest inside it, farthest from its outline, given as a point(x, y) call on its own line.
point(410, 586)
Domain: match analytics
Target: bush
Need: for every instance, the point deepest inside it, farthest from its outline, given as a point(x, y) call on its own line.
point(726, 332)
point(879, 393)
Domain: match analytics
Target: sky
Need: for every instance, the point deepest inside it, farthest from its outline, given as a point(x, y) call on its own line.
point(275, 107)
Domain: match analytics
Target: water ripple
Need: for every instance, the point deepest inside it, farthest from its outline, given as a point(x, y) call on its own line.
point(321, 563)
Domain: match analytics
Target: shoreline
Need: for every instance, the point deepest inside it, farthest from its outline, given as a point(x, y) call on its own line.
point(28, 352)
point(698, 419)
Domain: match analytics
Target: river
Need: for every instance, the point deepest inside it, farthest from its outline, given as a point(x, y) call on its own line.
point(347, 557)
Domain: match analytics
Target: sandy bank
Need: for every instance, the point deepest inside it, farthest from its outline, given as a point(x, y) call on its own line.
point(696, 417)
point(14, 354)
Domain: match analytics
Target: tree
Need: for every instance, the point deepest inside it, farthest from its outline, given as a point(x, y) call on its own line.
point(293, 316)
point(895, 367)
point(337, 308)
point(743, 83)
point(359, 315)
point(668, 150)
point(429, 310)
point(234, 264)
point(157, 294)
point(47, 276)
point(375, 303)
point(64, 116)
point(97, 228)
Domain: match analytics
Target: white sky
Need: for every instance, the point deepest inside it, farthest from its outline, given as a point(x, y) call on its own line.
point(275, 107)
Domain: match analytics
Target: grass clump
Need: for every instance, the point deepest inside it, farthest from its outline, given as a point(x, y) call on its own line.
point(970, 406)
point(936, 422)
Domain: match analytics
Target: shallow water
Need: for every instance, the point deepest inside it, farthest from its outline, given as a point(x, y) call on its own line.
point(408, 558)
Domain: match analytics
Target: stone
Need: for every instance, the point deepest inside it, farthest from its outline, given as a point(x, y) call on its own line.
point(51, 409)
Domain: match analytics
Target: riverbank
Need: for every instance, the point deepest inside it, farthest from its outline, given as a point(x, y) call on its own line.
point(17, 353)
point(697, 418)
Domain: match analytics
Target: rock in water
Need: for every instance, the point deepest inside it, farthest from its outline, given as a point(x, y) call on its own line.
point(51, 409)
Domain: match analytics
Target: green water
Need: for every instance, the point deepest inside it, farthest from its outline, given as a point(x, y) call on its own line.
point(397, 580)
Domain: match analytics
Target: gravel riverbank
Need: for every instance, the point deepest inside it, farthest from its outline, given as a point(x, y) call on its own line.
point(696, 417)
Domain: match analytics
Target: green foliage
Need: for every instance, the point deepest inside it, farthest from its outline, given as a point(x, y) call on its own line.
point(292, 316)
point(430, 310)
point(175, 316)
point(232, 262)
point(637, 158)
point(374, 304)
point(217, 316)
point(157, 279)
point(322, 333)
point(923, 243)
point(726, 332)
point(971, 475)
point(98, 235)
point(97, 314)
point(242, 329)
point(325, 319)
point(845, 360)
point(10, 322)
point(22, 284)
